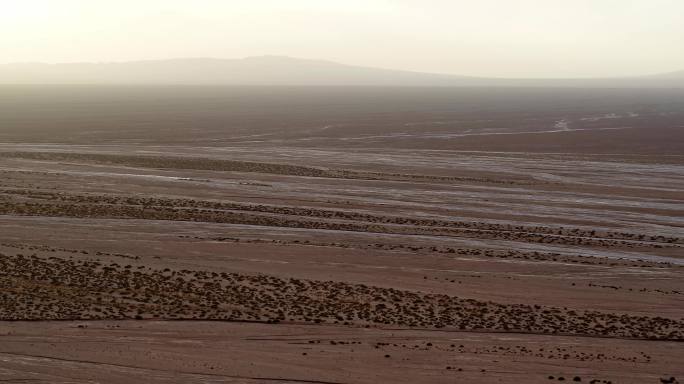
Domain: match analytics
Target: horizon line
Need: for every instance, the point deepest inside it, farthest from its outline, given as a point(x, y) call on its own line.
point(214, 58)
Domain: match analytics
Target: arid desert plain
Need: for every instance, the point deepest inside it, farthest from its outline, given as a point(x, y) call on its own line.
point(341, 235)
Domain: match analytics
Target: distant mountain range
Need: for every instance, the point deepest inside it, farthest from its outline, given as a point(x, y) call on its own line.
point(671, 75)
point(279, 70)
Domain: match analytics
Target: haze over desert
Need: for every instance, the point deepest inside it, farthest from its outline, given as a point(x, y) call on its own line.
point(358, 192)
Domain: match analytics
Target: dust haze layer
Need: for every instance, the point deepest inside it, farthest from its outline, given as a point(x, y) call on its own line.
point(280, 70)
point(604, 121)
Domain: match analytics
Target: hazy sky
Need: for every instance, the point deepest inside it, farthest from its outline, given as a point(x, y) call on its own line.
point(508, 38)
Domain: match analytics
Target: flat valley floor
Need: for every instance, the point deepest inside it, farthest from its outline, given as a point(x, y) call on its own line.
point(229, 235)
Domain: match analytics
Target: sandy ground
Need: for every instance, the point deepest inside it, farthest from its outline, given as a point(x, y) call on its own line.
point(339, 254)
point(217, 352)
